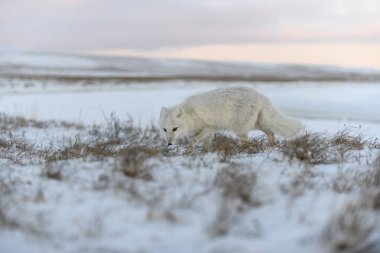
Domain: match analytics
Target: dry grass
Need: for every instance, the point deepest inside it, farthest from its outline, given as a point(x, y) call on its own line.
point(370, 200)
point(237, 183)
point(224, 219)
point(310, 149)
point(301, 181)
point(133, 162)
point(115, 127)
point(157, 214)
point(9, 205)
point(127, 156)
point(375, 173)
point(238, 194)
point(223, 145)
point(314, 149)
point(80, 149)
point(15, 149)
point(350, 231)
point(52, 171)
point(228, 147)
point(349, 140)
point(361, 177)
point(356, 227)
point(108, 140)
point(237, 186)
point(9, 123)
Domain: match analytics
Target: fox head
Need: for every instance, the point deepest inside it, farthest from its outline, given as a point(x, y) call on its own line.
point(173, 124)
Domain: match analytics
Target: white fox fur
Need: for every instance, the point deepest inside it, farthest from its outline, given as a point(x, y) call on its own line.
point(238, 109)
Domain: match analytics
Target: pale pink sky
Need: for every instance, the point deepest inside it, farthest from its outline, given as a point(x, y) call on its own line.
point(341, 54)
point(339, 32)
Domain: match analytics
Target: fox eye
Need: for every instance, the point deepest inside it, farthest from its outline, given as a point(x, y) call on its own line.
point(165, 129)
point(175, 129)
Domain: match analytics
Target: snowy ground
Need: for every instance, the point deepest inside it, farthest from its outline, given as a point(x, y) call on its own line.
point(71, 179)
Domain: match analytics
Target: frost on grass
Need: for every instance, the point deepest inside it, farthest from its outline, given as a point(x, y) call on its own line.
point(115, 187)
point(352, 230)
point(314, 149)
point(356, 227)
point(228, 147)
point(239, 193)
point(8, 123)
point(133, 162)
point(237, 183)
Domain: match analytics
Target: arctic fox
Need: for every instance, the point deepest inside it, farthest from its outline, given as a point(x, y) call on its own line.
point(238, 109)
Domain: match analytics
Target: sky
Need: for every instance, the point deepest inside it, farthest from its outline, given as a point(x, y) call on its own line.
point(338, 32)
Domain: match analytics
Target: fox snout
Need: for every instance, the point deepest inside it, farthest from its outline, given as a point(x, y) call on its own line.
point(170, 141)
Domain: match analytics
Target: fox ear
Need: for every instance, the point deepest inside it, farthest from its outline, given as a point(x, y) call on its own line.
point(164, 110)
point(179, 112)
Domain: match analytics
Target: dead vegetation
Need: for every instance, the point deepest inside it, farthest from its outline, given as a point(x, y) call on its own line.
point(310, 149)
point(357, 178)
point(16, 149)
point(237, 183)
point(11, 204)
point(110, 139)
point(78, 148)
point(228, 147)
point(128, 169)
point(355, 228)
point(8, 123)
point(133, 162)
point(52, 171)
point(374, 175)
point(314, 149)
point(239, 192)
point(351, 230)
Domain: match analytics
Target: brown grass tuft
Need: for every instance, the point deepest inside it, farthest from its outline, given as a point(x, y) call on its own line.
point(350, 231)
point(376, 172)
point(310, 149)
point(316, 149)
point(237, 183)
point(348, 140)
point(228, 147)
point(76, 148)
point(8, 122)
point(52, 171)
point(225, 146)
point(133, 162)
point(15, 149)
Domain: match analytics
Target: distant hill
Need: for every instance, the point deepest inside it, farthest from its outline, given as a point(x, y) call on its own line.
point(66, 67)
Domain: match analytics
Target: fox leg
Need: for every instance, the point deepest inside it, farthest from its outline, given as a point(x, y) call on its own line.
point(243, 137)
point(270, 136)
point(207, 141)
point(262, 127)
point(201, 135)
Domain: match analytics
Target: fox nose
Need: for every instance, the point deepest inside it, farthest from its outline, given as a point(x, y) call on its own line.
point(169, 144)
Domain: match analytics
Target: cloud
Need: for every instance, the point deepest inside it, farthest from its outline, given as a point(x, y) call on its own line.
point(149, 24)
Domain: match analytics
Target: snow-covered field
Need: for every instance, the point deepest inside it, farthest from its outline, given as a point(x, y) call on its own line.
point(68, 148)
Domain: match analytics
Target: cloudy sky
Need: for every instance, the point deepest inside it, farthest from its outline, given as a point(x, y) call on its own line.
point(295, 31)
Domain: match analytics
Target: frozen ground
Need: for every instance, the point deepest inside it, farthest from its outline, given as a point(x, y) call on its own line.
point(321, 107)
point(76, 176)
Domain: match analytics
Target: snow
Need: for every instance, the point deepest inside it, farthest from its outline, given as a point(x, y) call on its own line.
point(323, 108)
point(176, 211)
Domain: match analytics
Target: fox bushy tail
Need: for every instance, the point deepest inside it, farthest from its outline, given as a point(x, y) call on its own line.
point(275, 121)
